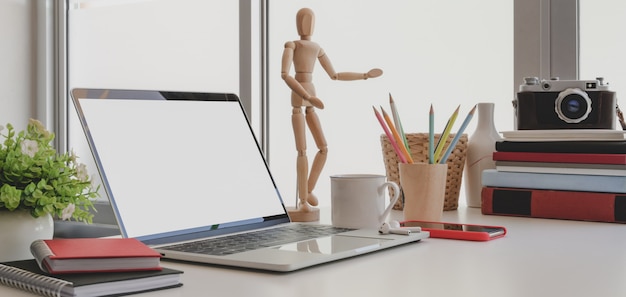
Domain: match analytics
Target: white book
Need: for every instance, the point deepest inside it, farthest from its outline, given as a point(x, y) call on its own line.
point(563, 134)
point(564, 168)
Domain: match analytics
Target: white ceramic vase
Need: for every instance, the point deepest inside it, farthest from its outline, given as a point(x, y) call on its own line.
point(18, 229)
point(480, 147)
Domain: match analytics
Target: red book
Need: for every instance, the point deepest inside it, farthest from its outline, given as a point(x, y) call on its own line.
point(561, 157)
point(554, 204)
point(94, 255)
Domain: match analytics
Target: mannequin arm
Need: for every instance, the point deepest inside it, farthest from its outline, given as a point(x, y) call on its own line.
point(354, 75)
point(327, 65)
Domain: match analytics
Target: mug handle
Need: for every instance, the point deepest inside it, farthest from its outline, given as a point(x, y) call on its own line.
point(394, 199)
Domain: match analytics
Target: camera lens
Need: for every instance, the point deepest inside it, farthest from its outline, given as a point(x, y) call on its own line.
point(572, 106)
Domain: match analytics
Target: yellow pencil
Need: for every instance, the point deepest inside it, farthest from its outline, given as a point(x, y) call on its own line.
point(403, 149)
point(458, 135)
point(444, 136)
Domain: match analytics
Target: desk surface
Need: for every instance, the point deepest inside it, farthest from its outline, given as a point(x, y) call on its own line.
point(538, 257)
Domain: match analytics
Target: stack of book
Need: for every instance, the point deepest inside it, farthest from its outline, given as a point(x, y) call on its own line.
point(563, 174)
point(89, 267)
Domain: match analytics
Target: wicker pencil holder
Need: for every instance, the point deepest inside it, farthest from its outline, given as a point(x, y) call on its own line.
point(418, 144)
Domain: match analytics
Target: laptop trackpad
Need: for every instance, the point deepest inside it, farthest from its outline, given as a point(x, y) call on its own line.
point(333, 244)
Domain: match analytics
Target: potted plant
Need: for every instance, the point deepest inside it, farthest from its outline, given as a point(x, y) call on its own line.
point(38, 184)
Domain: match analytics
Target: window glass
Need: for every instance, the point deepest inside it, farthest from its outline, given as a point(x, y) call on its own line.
point(184, 45)
point(602, 45)
point(445, 53)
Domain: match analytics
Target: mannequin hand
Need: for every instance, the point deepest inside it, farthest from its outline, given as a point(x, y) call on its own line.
point(316, 102)
point(376, 72)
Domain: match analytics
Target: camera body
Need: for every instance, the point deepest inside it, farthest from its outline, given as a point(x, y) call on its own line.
point(564, 104)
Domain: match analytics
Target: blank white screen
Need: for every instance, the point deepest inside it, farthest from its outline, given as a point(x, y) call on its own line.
point(175, 165)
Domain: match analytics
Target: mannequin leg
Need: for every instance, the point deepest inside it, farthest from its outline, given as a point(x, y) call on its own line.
point(320, 157)
point(302, 164)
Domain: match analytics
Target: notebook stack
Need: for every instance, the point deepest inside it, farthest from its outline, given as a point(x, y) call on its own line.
point(559, 174)
point(89, 267)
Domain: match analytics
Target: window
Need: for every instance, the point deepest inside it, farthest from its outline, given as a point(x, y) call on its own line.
point(449, 54)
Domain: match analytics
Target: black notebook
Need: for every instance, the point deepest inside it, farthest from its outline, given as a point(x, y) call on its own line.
point(26, 275)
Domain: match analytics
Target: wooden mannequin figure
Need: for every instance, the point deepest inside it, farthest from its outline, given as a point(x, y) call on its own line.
point(302, 54)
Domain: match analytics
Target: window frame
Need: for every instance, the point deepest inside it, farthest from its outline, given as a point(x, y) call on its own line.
point(546, 39)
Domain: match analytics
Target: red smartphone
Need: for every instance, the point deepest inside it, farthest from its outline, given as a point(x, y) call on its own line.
point(458, 230)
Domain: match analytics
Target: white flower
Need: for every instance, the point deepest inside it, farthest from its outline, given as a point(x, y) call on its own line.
point(93, 182)
point(29, 147)
point(68, 212)
point(81, 172)
point(73, 157)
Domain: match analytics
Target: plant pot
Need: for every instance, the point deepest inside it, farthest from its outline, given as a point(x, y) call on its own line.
point(18, 229)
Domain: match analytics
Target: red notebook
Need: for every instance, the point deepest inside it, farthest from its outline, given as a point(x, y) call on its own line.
point(94, 255)
point(560, 157)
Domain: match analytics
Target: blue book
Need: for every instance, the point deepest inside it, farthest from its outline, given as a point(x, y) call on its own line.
point(554, 181)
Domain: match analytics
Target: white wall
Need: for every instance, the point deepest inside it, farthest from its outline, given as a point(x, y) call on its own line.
point(16, 62)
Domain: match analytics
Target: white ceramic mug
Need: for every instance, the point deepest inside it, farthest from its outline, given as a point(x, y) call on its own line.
point(358, 200)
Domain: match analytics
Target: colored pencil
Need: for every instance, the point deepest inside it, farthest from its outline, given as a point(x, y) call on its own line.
point(456, 138)
point(396, 135)
point(444, 136)
point(431, 135)
point(398, 123)
point(389, 136)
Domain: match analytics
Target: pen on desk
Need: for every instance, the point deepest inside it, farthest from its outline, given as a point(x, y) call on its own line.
point(395, 134)
point(444, 136)
point(389, 136)
point(398, 123)
point(431, 135)
point(456, 138)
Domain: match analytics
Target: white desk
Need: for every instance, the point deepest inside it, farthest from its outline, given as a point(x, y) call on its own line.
point(538, 257)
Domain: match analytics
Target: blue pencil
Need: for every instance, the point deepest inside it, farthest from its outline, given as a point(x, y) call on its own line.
point(468, 118)
point(431, 135)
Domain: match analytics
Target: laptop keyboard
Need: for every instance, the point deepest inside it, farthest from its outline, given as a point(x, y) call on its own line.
point(257, 239)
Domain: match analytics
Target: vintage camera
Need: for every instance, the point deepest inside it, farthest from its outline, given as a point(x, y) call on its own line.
point(564, 104)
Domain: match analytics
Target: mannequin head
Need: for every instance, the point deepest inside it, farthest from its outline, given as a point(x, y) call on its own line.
point(305, 22)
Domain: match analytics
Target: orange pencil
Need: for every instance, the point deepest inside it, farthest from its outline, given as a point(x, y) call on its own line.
point(403, 149)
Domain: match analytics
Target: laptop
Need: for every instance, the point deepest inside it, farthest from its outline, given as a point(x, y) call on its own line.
point(184, 169)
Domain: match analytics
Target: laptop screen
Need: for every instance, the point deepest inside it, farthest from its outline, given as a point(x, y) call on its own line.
point(176, 163)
